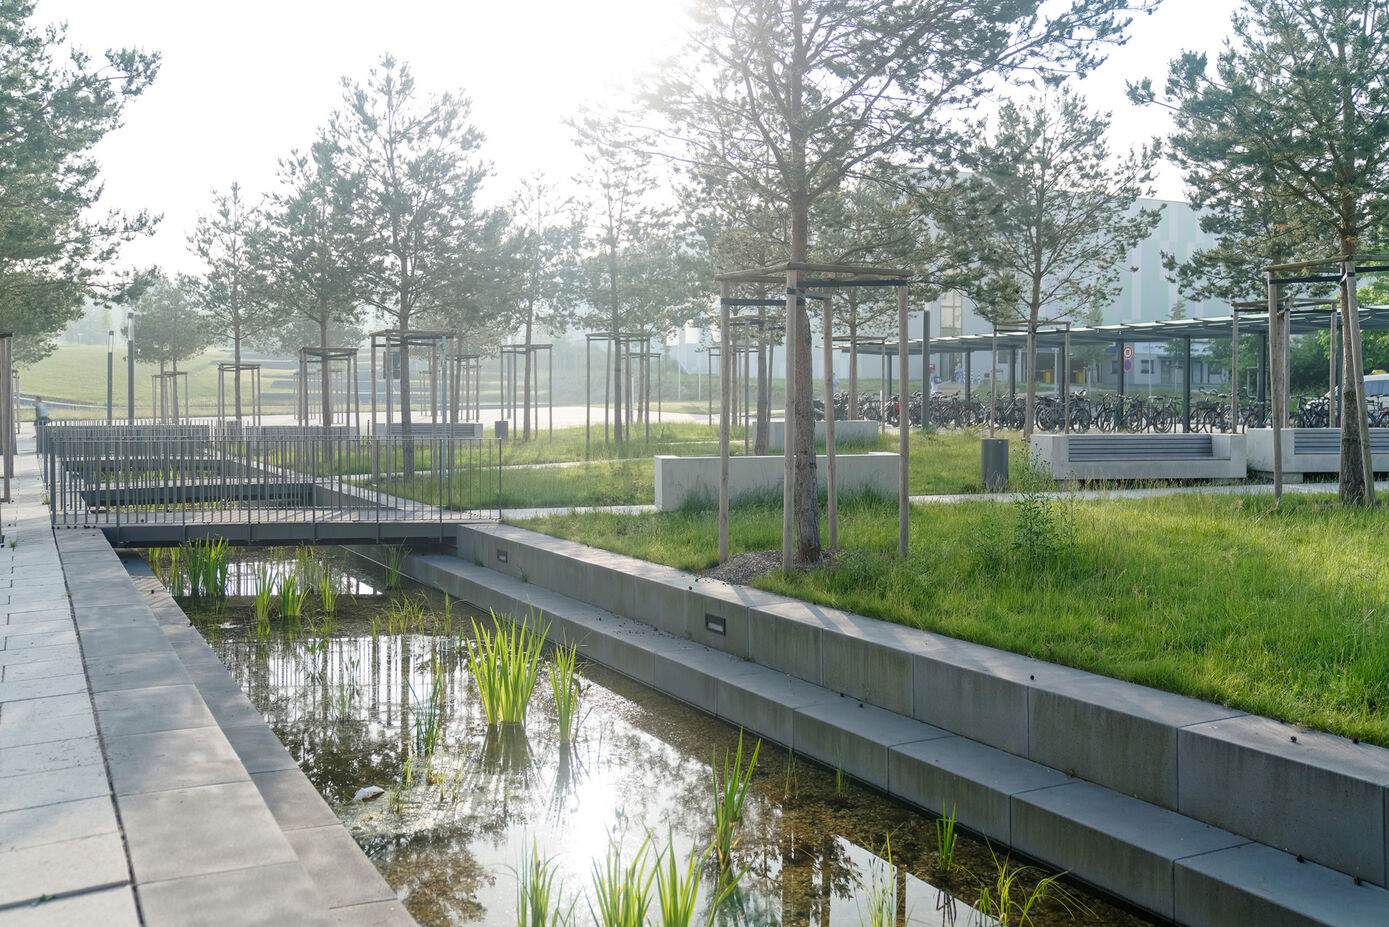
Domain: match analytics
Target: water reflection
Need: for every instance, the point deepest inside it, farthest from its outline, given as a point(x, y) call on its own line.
point(449, 829)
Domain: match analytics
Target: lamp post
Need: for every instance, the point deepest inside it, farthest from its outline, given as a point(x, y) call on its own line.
point(110, 368)
point(130, 366)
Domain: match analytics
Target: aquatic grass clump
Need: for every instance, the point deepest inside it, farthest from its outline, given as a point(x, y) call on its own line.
point(407, 615)
point(623, 892)
point(206, 563)
point(880, 894)
point(538, 893)
point(505, 662)
point(677, 890)
point(264, 593)
point(1008, 900)
point(568, 692)
point(945, 842)
point(291, 597)
point(428, 718)
point(395, 559)
point(729, 794)
point(328, 590)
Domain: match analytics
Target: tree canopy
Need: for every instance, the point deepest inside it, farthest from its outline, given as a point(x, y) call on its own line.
point(54, 255)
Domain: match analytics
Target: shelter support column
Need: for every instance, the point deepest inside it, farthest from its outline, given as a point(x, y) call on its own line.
point(1186, 384)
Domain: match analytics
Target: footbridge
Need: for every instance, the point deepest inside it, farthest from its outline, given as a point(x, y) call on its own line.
point(160, 484)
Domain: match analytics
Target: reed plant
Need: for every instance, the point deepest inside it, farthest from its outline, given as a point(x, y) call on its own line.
point(880, 894)
point(505, 662)
point(1015, 891)
point(407, 615)
point(677, 889)
point(428, 718)
point(538, 892)
point(622, 892)
point(568, 691)
point(395, 560)
point(291, 596)
point(730, 793)
point(328, 590)
point(945, 842)
point(264, 592)
point(206, 562)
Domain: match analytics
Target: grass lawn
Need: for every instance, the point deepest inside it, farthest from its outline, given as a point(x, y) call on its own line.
point(76, 373)
point(624, 474)
point(1278, 610)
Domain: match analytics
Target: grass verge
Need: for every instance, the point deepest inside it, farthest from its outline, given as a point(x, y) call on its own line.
point(1276, 609)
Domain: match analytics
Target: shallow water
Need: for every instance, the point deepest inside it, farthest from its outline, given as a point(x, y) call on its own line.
point(450, 831)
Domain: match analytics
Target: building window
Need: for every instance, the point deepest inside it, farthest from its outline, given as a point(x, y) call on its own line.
point(952, 314)
point(1145, 366)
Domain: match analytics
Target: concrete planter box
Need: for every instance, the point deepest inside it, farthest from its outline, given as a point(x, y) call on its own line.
point(854, 431)
point(1140, 456)
point(1310, 450)
point(680, 480)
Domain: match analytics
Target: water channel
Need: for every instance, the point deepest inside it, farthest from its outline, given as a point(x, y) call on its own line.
point(346, 695)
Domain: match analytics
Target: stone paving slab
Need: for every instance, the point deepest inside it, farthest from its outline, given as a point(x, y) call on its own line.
point(332, 858)
point(176, 833)
point(31, 873)
point(160, 708)
point(52, 786)
point(71, 820)
point(109, 907)
point(178, 759)
point(236, 897)
point(28, 730)
point(49, 755)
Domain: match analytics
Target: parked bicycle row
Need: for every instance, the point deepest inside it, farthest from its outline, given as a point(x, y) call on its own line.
point(1210, 411)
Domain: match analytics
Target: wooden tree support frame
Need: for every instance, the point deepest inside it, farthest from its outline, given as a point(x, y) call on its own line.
point(164, 393)
point(236, 370)
point(507, 401)
point(349, 411)
point(817, 279)
point(439, 346)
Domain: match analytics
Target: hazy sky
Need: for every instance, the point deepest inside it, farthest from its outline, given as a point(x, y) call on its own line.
point(242, 84)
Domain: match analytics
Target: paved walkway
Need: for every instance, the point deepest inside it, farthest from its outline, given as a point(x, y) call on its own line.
point(137, 783)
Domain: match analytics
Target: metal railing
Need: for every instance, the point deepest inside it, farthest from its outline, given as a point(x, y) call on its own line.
point(104, 475)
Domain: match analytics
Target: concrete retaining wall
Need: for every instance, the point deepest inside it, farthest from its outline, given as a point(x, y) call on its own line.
point(1052, 454)
point(1204, 766)
point(853, 431)
point(680, 480)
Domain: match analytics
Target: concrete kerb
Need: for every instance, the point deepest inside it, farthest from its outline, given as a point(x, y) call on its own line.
point(1133, 739)
point(192, 816)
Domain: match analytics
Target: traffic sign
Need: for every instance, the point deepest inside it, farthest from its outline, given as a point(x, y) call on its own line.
point(1128, 352)
point(1128, 364)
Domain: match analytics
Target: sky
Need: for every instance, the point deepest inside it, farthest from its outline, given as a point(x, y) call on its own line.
point(241, 85)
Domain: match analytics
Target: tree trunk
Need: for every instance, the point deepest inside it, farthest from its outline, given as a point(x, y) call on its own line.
point(1353, 487)
point(326, 404)
point(173, 391)
point(236, 362)
point(807, 508)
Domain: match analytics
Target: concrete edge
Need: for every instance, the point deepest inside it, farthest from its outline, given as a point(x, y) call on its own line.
point(1123, 845)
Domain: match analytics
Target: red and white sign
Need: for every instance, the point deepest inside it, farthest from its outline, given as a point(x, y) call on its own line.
point(1128, 352)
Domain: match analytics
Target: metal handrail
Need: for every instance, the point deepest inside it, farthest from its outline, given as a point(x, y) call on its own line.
point(194, 475)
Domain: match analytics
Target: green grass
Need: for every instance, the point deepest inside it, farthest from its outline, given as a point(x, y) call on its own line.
point(1273, 609)
point(940, 463)
point(77, 373)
